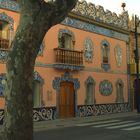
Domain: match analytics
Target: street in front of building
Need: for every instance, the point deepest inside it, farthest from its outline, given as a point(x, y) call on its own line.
point(110, 128)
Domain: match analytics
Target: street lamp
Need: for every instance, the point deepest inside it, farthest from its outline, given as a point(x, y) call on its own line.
point(137, 82)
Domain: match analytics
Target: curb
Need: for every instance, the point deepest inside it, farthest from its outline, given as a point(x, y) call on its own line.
point(70, 122)
point(63, 123)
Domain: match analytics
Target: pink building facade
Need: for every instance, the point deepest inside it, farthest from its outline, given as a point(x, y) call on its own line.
point(81, 69)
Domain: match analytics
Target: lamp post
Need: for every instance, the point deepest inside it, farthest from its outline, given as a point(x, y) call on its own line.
point(137, 82)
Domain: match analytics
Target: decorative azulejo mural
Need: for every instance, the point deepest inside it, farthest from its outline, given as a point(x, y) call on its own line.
point(3, 56)
point(49, 113)
point(118, 55)
point(90, 80)
point(2, 79)
point(65, 31)
point(93, 28)
point(10, 21)
point(5, 17)
point(39, 114)
point(85, 9)
point(37, 77)
point(106, 67)
point(1, 116)
point(105, 88)
point(44, 114)
point(66, 77)
point(68, 67)
point(9, 4)
point(99, 14)
point(102, 109)
point(42, 46)
point(88, 47)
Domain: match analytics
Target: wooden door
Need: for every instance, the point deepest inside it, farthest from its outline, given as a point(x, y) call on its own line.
point(66, 100)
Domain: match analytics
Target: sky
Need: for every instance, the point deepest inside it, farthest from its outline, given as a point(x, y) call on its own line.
point(132, 6)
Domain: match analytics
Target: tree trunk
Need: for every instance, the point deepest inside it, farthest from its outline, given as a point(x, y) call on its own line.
point(37, 17)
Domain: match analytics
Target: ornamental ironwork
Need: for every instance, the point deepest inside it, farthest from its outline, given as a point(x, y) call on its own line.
point(105, 88)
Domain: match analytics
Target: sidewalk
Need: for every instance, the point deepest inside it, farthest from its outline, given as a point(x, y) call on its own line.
point(61, 123)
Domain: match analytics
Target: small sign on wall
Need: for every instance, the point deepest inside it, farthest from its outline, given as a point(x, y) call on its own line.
point(49, 95)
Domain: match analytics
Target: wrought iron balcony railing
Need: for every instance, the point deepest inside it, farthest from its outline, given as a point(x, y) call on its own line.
point(68, 59)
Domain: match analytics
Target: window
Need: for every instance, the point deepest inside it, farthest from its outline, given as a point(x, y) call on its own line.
point(119, 91)
point(37, 90)
point(36, 93)
point(4, 35)
point(66, 39)
point(88, 47)
point(105, 51)
point(90, 91)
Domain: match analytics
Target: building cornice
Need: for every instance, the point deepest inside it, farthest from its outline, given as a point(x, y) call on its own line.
point(90, 27)
point(87, 12)
point(98, 23)
point(97, 13)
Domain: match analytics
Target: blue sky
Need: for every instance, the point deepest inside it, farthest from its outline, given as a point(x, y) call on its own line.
point(132, 6)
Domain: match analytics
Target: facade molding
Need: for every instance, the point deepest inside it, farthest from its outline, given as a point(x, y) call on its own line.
point(102, 109)
point(66, 31)
point(105, 87)
point(66, 77)
point(94, 28)
point(3, 56)
point(68, 67)
point(97, 13)
point(90, 69)
point(9, 5)
point(5, 17)
point(118, 55)
point(87, 10)
point(50, 113)
point(37, 77)
point(88, 50)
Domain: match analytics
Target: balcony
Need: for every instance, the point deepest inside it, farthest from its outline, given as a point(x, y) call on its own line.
point(4, 43)
point(68, 59)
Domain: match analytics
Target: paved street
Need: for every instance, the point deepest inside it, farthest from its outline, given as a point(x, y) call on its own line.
point(120, 126)
point(123, 128)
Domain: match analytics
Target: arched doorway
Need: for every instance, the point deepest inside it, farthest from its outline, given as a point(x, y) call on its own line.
point(66, 100)
point(66, 84)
